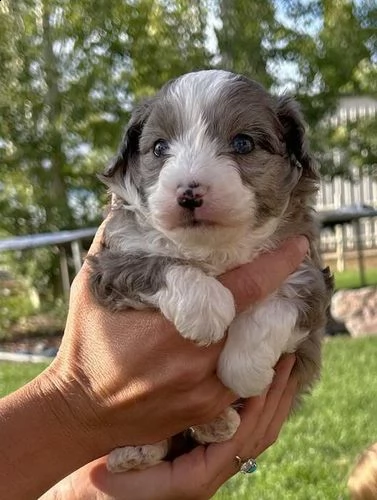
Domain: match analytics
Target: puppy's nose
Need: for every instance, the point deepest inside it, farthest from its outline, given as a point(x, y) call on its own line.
point(191, 197)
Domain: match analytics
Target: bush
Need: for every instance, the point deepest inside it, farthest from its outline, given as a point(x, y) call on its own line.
point(17, 300)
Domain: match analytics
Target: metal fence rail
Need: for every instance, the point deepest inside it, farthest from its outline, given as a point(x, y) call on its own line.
point(60, 240)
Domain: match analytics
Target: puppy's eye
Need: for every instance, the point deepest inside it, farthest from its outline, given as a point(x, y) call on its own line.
point(160, 147)
point(242, 144)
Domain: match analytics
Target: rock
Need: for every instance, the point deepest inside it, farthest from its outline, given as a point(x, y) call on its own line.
point(357, 309)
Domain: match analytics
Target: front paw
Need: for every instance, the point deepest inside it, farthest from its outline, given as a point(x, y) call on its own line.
point(136, 457)
point(246, 373)
point(200, 307)
point(218, 430)
point(246, 382)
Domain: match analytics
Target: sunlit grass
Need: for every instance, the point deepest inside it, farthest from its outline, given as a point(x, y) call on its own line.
point(351, 278)
point(14, 375)
point(316, 449)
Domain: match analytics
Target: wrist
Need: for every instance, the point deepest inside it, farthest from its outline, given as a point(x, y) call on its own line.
point(45, 435)
point(67, 400)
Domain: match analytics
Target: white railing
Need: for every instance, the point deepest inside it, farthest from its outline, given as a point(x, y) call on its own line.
point(340, 193)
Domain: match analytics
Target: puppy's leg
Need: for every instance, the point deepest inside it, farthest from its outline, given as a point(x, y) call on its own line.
point(200, 306)
point(290, 320)
point(137, 457)
point(220, 429)
point(255, 341)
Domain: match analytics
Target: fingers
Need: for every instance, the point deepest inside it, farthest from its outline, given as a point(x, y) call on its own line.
point(252, 282)
point(80, 281)
point(282, 373)
point(220, 457)
point(273, 414)
point(154, 483)
point(95, 247)
point(201, 472)
point(261, 421)
point(96, 243)
point(279, 417)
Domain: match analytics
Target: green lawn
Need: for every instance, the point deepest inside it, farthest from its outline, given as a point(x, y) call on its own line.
point(351, 278)
point(14, 375)
point(316, 449)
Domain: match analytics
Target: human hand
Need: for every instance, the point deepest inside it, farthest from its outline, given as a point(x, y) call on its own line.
point(127, 378)
point(196, 475)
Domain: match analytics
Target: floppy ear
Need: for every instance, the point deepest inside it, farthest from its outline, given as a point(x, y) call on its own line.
point(294, 134)
point(121, 175)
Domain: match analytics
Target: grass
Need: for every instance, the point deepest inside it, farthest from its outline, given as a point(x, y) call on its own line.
point(317, 447)
point(14, 375)
point(351, 278)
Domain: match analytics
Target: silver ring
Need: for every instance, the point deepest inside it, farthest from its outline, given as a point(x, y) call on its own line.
point(247, 465)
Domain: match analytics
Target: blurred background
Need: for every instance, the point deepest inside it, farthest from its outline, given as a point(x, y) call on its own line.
point(70, 73)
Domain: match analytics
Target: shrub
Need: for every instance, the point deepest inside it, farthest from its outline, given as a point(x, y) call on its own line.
point(17, 300)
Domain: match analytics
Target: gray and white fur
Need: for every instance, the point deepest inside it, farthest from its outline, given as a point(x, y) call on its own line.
point(211, 172)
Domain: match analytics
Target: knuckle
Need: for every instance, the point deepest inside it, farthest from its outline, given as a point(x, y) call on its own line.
point(201, 410)
point(293, 254)
point(206, 410)
point(187, 377)
point(254, 287)
point(270, 439)
point(76, 286)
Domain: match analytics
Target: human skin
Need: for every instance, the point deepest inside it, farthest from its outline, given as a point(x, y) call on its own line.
point(113, 371)
point(196, 475)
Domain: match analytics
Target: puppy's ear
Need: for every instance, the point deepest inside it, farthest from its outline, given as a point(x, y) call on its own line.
point(294, 133)
point(121, 175)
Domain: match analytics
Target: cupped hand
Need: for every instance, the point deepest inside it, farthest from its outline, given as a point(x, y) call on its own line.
point(196, 475)
point(129, 378)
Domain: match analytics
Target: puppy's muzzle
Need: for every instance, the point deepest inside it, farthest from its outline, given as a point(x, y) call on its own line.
point(191, 196)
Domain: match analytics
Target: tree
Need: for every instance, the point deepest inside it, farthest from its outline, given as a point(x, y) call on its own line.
point(328, 41)
point(333, 46)
point(72, 71)
point(246, 38)
point(167, 40)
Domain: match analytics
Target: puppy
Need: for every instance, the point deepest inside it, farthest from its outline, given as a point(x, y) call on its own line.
point(211, 172)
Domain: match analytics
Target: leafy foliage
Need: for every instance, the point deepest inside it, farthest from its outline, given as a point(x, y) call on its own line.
point(71, 74)
point(334, 48)
point(17, 300)
point(246, 38)
point(320, 50)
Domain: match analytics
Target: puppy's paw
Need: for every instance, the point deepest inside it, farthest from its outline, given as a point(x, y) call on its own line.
point(136, 457)
point(200, 306)
point(247, 378)
point(220, 429)
point(246, 369)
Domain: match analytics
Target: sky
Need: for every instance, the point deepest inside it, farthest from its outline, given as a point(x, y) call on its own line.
point(287, 71)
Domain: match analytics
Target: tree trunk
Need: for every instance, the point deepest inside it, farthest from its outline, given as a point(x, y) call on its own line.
point(59, 212)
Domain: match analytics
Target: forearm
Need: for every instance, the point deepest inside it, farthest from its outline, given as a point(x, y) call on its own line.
point(42, 440)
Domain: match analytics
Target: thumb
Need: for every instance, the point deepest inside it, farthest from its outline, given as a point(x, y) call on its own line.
point(253, 282)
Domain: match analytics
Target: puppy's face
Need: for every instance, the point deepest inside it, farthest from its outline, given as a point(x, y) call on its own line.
point(212, 153)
